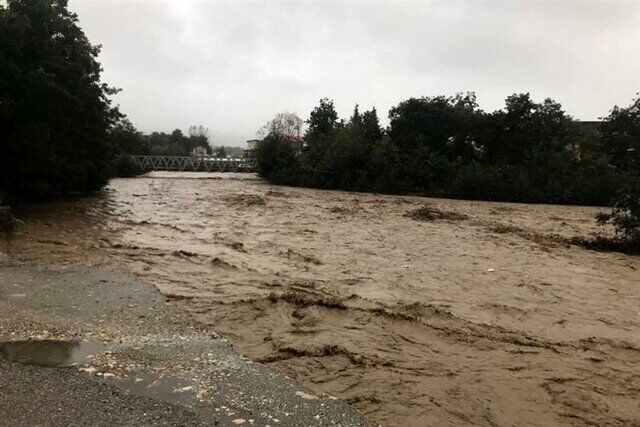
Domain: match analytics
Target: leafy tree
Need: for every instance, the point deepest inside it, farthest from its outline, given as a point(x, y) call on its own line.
point(221, 152)
point(176, 143)
point(322, 124)
point(55, 113)
point(526, 132)
point(385, 168)
point(356, 118)
point(373, 132)
point(346, 159)
point(278, 159)
point(621, 137)
point(126, 139)
point(323, 120)
point(199, 137)
point(435, 124)
point(432, 135)
point(199, 131)
point(285, 123)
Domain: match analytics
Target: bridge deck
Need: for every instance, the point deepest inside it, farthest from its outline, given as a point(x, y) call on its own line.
point(193, 163)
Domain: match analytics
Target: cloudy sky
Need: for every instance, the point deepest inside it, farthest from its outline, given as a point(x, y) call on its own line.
point(232, 65)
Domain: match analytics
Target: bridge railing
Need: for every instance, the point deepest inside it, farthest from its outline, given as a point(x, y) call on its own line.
point(193, 163)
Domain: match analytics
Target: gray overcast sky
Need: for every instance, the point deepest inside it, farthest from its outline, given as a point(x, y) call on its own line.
point(232, 66)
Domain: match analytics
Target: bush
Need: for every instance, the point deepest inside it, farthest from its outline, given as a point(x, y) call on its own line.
point(124, 167)
point(8, 222)
point(625, 217)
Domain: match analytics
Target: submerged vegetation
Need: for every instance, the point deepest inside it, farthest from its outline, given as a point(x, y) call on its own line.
point(448, 147)
point(625, 217)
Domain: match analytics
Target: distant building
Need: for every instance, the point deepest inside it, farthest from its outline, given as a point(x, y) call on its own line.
point(251, 144)
point(593, 125)
point(250, 152)
point(199, 151)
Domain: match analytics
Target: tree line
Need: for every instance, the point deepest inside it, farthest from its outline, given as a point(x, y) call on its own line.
point(448, 147)
point(126, 139)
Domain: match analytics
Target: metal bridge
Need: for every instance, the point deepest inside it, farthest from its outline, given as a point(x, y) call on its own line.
point(193, 163)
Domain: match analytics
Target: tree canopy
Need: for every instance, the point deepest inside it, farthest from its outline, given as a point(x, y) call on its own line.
point(285, 123)
point(446, 146)
point(55, 112)
point(621, 137)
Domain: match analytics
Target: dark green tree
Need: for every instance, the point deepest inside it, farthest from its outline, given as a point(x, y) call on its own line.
point(356, 117)
point(178, 144)
point(55, 113)
point(278, 159)
point(439, 124)
point(126, 139)
point(221, 152)
point(373, 132)
point(322, 122)
point(621, 137)
point(433, 135)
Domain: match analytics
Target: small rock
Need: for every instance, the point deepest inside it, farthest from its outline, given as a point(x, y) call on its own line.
point(307, 396)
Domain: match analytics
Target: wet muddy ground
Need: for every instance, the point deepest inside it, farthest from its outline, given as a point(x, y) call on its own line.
point(416, 311)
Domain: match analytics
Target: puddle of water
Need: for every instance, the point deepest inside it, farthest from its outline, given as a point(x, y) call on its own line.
point(163, 387)
point(172, 389)
point(54, 353)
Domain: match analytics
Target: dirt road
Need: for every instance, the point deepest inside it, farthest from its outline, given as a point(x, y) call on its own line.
point(417, 311)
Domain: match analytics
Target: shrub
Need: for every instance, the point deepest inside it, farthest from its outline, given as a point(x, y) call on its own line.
point(8, 222)
point(124, 167)
point(625, 217)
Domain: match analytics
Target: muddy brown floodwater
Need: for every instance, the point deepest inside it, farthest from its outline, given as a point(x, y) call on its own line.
point(416, 311)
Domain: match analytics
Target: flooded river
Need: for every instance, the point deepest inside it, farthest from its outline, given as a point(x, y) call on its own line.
point(416, 311)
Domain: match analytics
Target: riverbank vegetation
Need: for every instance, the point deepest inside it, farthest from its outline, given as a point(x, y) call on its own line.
point(446, 146)
point(55, 112)
point(442, 146)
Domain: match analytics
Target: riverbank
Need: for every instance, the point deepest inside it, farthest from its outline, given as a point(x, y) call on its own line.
point(153, 366)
